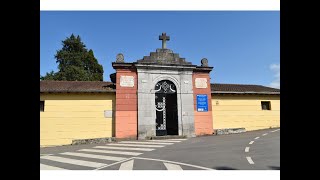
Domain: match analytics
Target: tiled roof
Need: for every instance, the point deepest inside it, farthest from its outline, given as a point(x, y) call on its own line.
point(99, 86)
point(242, 89)
point(76, 86)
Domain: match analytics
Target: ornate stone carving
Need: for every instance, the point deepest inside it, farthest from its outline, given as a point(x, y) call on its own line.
point(126, 81)
point(204, 62)
point(120, 58)
point(201, 82)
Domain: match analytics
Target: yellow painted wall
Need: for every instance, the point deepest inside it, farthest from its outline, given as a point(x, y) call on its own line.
point(244, 111)
point(75, 116)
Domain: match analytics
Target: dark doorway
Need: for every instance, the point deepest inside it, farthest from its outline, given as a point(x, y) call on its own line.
point(166, 108)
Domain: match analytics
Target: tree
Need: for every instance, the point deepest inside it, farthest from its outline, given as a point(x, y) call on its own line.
point(75, 63)
point(49, 76)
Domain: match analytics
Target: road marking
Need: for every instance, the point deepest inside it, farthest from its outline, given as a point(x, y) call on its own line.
point(114, 163)
point(112, 152)
point(247, 149)
point(172, 166)
point(264, 134)
point(47, 167)
point(125, 148)
point(73, 161)
point(251, 142)
point(257, 138)
point(46, 154)
point(127, 165)
point(275, 130)
point(173, 162)
point(131, 142)
point(136, 145)
point(94, 156)
point(250, 160)
point(170, 141)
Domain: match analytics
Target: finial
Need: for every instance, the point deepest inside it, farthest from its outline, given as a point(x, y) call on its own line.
point(204, 62)
point(120, 58)
point(164, 38)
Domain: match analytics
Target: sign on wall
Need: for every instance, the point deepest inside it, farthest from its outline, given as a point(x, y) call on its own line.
point(202, 102)
point(126, 81)
point(201, 82)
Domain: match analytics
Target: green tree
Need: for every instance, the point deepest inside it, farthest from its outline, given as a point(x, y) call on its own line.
point(75, 63)
point(49, 76)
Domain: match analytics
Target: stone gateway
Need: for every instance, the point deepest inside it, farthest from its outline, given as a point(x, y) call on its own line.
point(165, 95)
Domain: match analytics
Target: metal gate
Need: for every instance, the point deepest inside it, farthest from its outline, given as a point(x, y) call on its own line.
point(166, 108)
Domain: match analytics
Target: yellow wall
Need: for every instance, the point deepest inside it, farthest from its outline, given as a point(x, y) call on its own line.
point(244, 111)
point(75, 116)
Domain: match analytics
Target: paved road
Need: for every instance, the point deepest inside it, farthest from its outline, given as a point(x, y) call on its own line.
point(256, 150)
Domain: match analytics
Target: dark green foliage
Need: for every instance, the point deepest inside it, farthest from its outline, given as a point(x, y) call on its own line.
point(75, 63)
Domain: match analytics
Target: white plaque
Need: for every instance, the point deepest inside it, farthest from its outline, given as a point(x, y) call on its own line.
point(126, 81)
point(201, 82)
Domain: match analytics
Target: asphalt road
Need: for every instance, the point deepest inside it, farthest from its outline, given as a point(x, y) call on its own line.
point(255, 150)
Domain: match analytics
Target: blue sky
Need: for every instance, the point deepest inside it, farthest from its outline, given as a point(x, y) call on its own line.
point(242, 46)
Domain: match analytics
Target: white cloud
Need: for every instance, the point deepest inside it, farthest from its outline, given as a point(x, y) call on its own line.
point(276, 69)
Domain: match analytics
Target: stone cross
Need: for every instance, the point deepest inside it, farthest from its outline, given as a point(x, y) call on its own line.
point(164, 38)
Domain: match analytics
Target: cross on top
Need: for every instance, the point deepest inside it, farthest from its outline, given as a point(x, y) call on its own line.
point(164, 38)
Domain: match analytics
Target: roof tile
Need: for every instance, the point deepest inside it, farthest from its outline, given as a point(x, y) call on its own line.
point(101, 86)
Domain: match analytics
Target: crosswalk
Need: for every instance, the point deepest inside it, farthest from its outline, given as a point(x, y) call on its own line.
point(104, 155)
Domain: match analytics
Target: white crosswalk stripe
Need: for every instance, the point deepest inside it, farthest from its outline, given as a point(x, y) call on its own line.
point(125, 148)
point(127, 165)
point(94, 156)
point(111, 152)
point(170, 166)
point(136, 145)
point(107, 152)
point(47, 167)
point(143, 142)
point(73, 161)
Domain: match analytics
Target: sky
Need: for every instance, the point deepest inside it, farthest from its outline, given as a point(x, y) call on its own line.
point(242, 46)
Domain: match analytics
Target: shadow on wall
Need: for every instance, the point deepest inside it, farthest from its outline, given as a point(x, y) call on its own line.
point(114, 118)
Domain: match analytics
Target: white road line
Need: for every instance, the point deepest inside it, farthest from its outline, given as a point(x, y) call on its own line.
point(247, 149)
point(47, 167)
point(142, 142)
point(127, 165)
point(136, 145)
point(73, 161)
point(251, 142)
point(170, 141)
point(257, 138)
point(102, 167)
point(112, 152)
point(264, 134)
point(250, 160)
point(275, 130)
point(46, 154)
point(124, 148)
point(184, 164)
point(94, 156)
point(172, 166)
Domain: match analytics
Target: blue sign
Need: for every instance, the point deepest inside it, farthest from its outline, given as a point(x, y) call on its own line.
point(202, 102)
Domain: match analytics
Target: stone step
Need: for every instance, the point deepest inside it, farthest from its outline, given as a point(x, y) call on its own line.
point(166, 137)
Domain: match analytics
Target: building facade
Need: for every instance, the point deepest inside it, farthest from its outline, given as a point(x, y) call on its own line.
point(159, 95)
